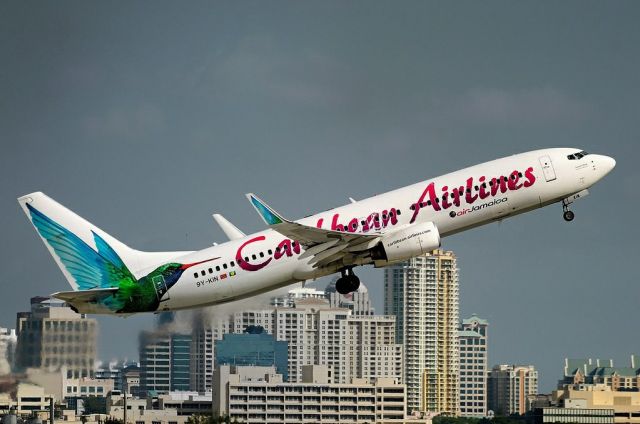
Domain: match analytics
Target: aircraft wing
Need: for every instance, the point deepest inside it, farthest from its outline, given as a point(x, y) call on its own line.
point(325, 246)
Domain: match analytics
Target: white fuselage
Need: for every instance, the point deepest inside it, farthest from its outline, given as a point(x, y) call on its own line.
point(271, 260)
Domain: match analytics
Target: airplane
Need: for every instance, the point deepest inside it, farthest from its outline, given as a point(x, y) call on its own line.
point(108, 277)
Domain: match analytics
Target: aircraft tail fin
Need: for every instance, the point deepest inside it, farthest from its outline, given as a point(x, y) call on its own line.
point(88, 257)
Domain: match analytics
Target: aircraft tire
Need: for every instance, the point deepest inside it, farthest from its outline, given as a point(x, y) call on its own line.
point(568, 216)
point(343, 285)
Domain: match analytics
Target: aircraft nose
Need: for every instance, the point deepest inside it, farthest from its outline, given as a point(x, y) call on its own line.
point(607, 163)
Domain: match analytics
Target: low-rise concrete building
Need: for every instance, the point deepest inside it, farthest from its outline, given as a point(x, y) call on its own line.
point(259, 395)
point(27, 399)
point(624, 404)
point(140, 411)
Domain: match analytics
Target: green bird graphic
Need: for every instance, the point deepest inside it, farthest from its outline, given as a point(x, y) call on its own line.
point(103, 268)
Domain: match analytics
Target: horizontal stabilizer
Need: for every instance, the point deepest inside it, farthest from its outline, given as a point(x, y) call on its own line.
point(86, 301)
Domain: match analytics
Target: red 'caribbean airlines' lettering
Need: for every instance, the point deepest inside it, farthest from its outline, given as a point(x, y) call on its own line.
point(286, 247)
point(501, 184)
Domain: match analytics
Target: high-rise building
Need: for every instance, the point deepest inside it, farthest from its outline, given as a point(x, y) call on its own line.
point(205, 333)
point(252, 348)
point(598, 371)
point(509, 386)
point(422, 293)
point(180, 362)
point(358, 302)
point(351, 346)
point(52, 336)
point(473, 367)
point(155, 364)
point(164, 362)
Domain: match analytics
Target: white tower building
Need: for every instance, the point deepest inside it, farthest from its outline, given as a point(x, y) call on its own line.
point(473, 367)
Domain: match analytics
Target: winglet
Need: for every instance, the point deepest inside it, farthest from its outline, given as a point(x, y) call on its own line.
point(269, 216)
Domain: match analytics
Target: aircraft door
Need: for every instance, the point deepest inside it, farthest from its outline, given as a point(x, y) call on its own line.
point(547, 168)
point(160, 286)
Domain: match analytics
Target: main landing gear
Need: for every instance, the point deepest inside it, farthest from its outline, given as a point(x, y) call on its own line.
point(349, 282)
point(567, 214)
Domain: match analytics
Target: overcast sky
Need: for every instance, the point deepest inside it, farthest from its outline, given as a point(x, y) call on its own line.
point(146, 117)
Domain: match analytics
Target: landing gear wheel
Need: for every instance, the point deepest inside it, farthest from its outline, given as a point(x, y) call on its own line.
point(354, 282)
point(342, 285)
point(349, 282)
point(568, 216)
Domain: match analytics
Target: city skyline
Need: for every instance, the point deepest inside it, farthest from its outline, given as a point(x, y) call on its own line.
point(122, 122)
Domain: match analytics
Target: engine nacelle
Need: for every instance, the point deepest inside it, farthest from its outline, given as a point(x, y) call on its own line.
point(406, 243)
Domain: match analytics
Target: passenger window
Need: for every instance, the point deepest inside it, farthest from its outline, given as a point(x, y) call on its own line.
point(270, 252)
point(428, 202)
point(491, 183)
point(210, 271)
point(520, 174)
point(218, 268)
point(477, 188)
point(195, 275)
point(253, 257)
point(233, 263)
point(398, 212)
point(261, 255)
point(505, 179)
point(224, 266)
point(202, 272)
point(484, 185)
point(246, 259)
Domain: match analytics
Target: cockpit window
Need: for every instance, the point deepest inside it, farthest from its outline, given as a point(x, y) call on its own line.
point(578, 156)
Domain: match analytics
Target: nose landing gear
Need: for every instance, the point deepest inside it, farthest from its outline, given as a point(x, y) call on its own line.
point(348, 282)
point(566, 213)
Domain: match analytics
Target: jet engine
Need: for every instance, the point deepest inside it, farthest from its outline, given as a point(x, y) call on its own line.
point(405, 243)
